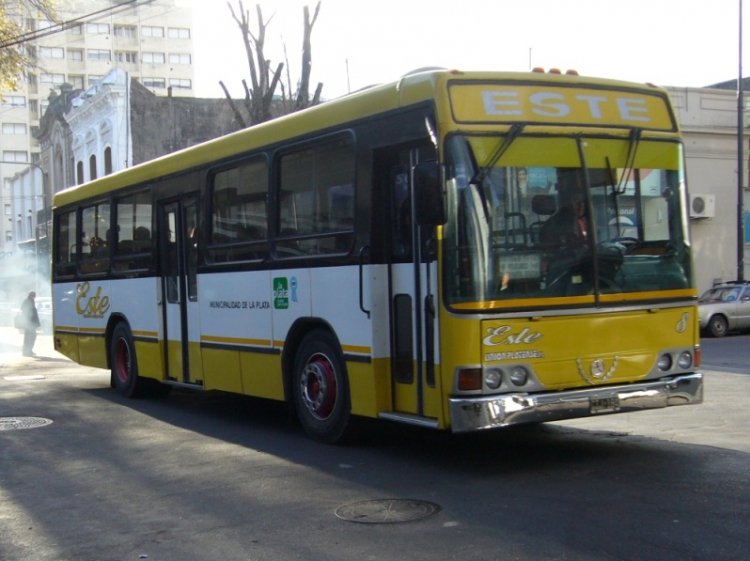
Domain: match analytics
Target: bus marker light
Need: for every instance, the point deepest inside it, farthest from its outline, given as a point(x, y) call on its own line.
point(470, 379)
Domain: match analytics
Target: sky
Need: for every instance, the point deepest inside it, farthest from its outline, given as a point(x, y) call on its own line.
point(357, 43)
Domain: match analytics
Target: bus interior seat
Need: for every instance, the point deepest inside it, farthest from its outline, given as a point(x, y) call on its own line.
point(543, 206)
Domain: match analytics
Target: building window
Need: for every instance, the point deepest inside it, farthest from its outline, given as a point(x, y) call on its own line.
point(130, 57)
point(154, 82)
point(15, 156)
point(76, 81)
point(75, 54)
point(179, 58)
point(13, 101)
point(14, 128)
point(107, 160)
point(97, 28)
point(7, 210)
point(182, 83)
point(178, 33)
point(92, 167)
point(152, 31)
point(99, 54)
point(79, 173)
point(51, 52)
point(153, 58)
point(76, 29)
point(53, 79)
point(125, 31)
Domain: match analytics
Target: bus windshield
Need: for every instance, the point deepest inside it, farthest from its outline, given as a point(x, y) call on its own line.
point(586, 217)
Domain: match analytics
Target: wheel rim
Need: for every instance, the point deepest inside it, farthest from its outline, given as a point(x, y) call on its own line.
point(719, 326)
point(318, 386)
point(122, 361)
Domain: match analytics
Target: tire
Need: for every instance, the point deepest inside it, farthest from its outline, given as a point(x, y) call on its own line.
point(717, 326)
point(320, 388)
point(123, 363)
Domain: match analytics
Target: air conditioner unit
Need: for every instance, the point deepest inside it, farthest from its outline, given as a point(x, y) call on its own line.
point(702, 206)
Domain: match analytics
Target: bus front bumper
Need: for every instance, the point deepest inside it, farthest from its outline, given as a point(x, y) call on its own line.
point(486, 412)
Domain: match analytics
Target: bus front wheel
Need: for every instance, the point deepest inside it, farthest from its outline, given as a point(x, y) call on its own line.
point(319, 388)
point(124, 366)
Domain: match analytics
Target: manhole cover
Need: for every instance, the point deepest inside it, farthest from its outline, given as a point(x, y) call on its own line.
point(386, 511)
point(21, 423)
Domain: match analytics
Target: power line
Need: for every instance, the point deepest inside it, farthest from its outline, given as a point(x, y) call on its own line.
point(62, 26)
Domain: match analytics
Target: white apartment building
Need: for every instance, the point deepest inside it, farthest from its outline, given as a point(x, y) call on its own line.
point(151, 40)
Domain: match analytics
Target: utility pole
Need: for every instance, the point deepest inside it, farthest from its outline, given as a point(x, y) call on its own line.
point(740, 162)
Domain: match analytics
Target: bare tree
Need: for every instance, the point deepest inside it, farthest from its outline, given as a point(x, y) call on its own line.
point(258, 104)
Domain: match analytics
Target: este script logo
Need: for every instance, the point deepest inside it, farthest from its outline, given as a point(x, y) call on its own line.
point(91, 305)
point(504, 335)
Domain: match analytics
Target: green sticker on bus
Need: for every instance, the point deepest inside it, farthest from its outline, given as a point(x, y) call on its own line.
point(280, 293)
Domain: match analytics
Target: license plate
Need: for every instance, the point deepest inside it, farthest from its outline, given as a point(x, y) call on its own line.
point(599, 405)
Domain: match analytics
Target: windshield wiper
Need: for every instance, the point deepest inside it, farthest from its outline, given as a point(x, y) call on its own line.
point(635, 138)
point(515, 130)
point(479, 177)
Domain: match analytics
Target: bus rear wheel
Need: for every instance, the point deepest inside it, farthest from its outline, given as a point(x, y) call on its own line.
point(123, 364)
point(320, 390)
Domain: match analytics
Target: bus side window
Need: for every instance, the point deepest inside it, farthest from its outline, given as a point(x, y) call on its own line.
point(401, 235)
point(65, 244)
point(95, 222)
point(239, 221)
point(133, 247)
point(317, 188)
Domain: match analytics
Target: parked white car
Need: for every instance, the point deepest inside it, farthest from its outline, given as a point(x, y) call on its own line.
point(725, 307)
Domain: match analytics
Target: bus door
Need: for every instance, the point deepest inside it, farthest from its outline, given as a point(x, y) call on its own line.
point(179, 260)
point(411, 319)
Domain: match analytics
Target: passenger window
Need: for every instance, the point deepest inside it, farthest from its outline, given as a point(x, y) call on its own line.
point(316, 214)
point(134, 244)
point(65, 244)
point(239, 218)
point(96, 238)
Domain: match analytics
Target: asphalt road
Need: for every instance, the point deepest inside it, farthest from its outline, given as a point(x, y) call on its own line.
point(203, 477)
point(730, 353)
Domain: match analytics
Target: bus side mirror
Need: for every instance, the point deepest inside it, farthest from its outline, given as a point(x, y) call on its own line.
point(428, 192)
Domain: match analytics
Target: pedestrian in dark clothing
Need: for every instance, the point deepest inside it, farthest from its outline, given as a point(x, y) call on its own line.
point(30, 323)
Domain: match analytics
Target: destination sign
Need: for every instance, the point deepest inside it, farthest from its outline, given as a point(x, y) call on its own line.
point(541, 103)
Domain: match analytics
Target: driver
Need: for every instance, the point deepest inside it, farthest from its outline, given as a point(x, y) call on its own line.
point(569, 225)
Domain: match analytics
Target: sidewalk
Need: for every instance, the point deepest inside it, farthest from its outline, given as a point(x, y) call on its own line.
point(12, 361)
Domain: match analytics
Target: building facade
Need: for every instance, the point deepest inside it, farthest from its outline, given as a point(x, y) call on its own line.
point(708, 117)
point(151, 40)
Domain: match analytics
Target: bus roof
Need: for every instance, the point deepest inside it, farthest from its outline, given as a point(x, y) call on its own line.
point(411, 89)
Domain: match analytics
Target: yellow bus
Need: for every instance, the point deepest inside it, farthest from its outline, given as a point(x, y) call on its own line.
point(454, 250)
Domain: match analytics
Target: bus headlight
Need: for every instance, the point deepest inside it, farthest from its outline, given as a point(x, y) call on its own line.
point(493, 378)
point(665, 362)
point(685, 360)
point(519, 376)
